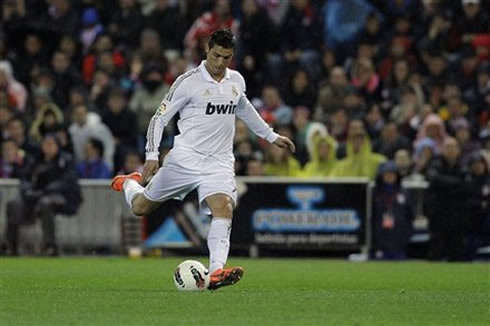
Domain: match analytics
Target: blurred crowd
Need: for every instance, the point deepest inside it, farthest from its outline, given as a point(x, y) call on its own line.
point(400, 87)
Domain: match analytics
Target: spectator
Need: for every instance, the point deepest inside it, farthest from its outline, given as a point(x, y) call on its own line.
point(126, 23)
point(6, 113)
point(61, 18)
point(132, 163)
point(390, 141)
point(65, 78)
point(276, 10)
point(150, 48)
point(425, 150)
point(374, 121)
point(255, 167)
point(432, 128)
point(328, 63)
point(404, 164)
point(338, 125)
point(79, 96)
point(280, 163)
point(244, 151)
point(323, 160)
point(354, 103)
point(301, 91)
point(331, 97)
point(50, 187)
point(100, 90)
point(365, 78)
point(164, 18)
point(463, 135)
point(396, 83)
point(408, 108)
point(446, 211)
point(302, 37)
point(102, 43)
point(202, 27)
point(121, 121)
point(473, 22)
point(16, 130)
point(13, 160)
point(436, 64)
point(255, 43)
point(301, 124)
point(48, 120)
point(146, 100)
point(71, 46)
point(360, 160)
point(93, 167)
point(88, 125)
point(16, 92)
point(392, 214)
point(478, 183)
point(33, 56)
point(91, 28)
point(400, 46)
point(242, 133)
point(272, 108)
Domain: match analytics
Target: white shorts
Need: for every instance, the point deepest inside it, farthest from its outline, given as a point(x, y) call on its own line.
point(184, 170)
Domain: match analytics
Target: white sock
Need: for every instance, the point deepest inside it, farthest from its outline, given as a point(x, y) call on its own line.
point(218, 242)
point(131, 189)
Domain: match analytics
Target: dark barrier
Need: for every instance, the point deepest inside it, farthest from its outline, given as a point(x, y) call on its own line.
point(302, 214)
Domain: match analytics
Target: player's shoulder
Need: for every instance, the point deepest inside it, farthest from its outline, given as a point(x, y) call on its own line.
point(188, 76)
point(236, 76)
point(184, 82)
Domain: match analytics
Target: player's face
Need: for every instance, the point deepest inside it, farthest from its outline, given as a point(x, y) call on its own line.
point(218, 59)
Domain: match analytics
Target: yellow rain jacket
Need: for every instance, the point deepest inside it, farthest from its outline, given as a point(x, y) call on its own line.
point(317, 168)
point(363, 164)
point(291, 168)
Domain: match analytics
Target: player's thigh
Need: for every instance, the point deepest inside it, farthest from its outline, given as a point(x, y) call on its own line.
point(170, 182)
point(218, 192)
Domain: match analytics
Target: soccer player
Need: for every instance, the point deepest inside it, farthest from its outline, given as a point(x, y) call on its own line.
point(208, 98)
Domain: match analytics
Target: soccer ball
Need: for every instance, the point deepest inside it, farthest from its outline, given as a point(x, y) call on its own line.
point(191, 275)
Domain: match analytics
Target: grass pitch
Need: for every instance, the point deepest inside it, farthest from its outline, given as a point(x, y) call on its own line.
point(119, 291)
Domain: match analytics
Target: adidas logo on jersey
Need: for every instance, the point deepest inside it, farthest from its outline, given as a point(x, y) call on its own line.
point(221, 108)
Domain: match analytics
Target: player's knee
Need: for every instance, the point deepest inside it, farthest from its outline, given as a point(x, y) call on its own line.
point(140, 207)
point(224, 208)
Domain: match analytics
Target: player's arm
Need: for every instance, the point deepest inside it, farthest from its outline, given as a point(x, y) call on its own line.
point(247, 112)
point(175, 100)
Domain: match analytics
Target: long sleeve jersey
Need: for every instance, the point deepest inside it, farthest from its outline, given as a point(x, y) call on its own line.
point(207, 110)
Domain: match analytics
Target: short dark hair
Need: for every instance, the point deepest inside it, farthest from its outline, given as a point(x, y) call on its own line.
point(224, 38)
point(98, 145)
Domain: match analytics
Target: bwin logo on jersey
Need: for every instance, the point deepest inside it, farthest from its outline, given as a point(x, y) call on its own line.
point(221, 108)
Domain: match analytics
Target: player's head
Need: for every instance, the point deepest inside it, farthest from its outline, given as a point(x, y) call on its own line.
point(219, 51)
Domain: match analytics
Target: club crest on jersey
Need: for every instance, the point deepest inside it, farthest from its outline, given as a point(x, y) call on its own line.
point(220, 108)
point(162, 108)
point(234, 90)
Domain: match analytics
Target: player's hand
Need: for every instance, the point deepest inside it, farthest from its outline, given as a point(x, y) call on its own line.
point(149, 170)
point(285, 142)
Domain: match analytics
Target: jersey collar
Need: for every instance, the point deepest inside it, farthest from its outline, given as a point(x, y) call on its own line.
point(206, 74)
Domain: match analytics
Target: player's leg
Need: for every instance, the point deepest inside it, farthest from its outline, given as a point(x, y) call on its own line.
point(133, 192)
point(221, 206)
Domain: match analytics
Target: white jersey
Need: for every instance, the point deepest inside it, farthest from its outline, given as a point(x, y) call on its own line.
point(208, 110)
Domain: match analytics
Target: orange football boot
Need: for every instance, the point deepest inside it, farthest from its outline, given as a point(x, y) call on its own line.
point(118, 180)
point(223, 277)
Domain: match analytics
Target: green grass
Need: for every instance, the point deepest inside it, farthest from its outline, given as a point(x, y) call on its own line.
point(119, 291)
